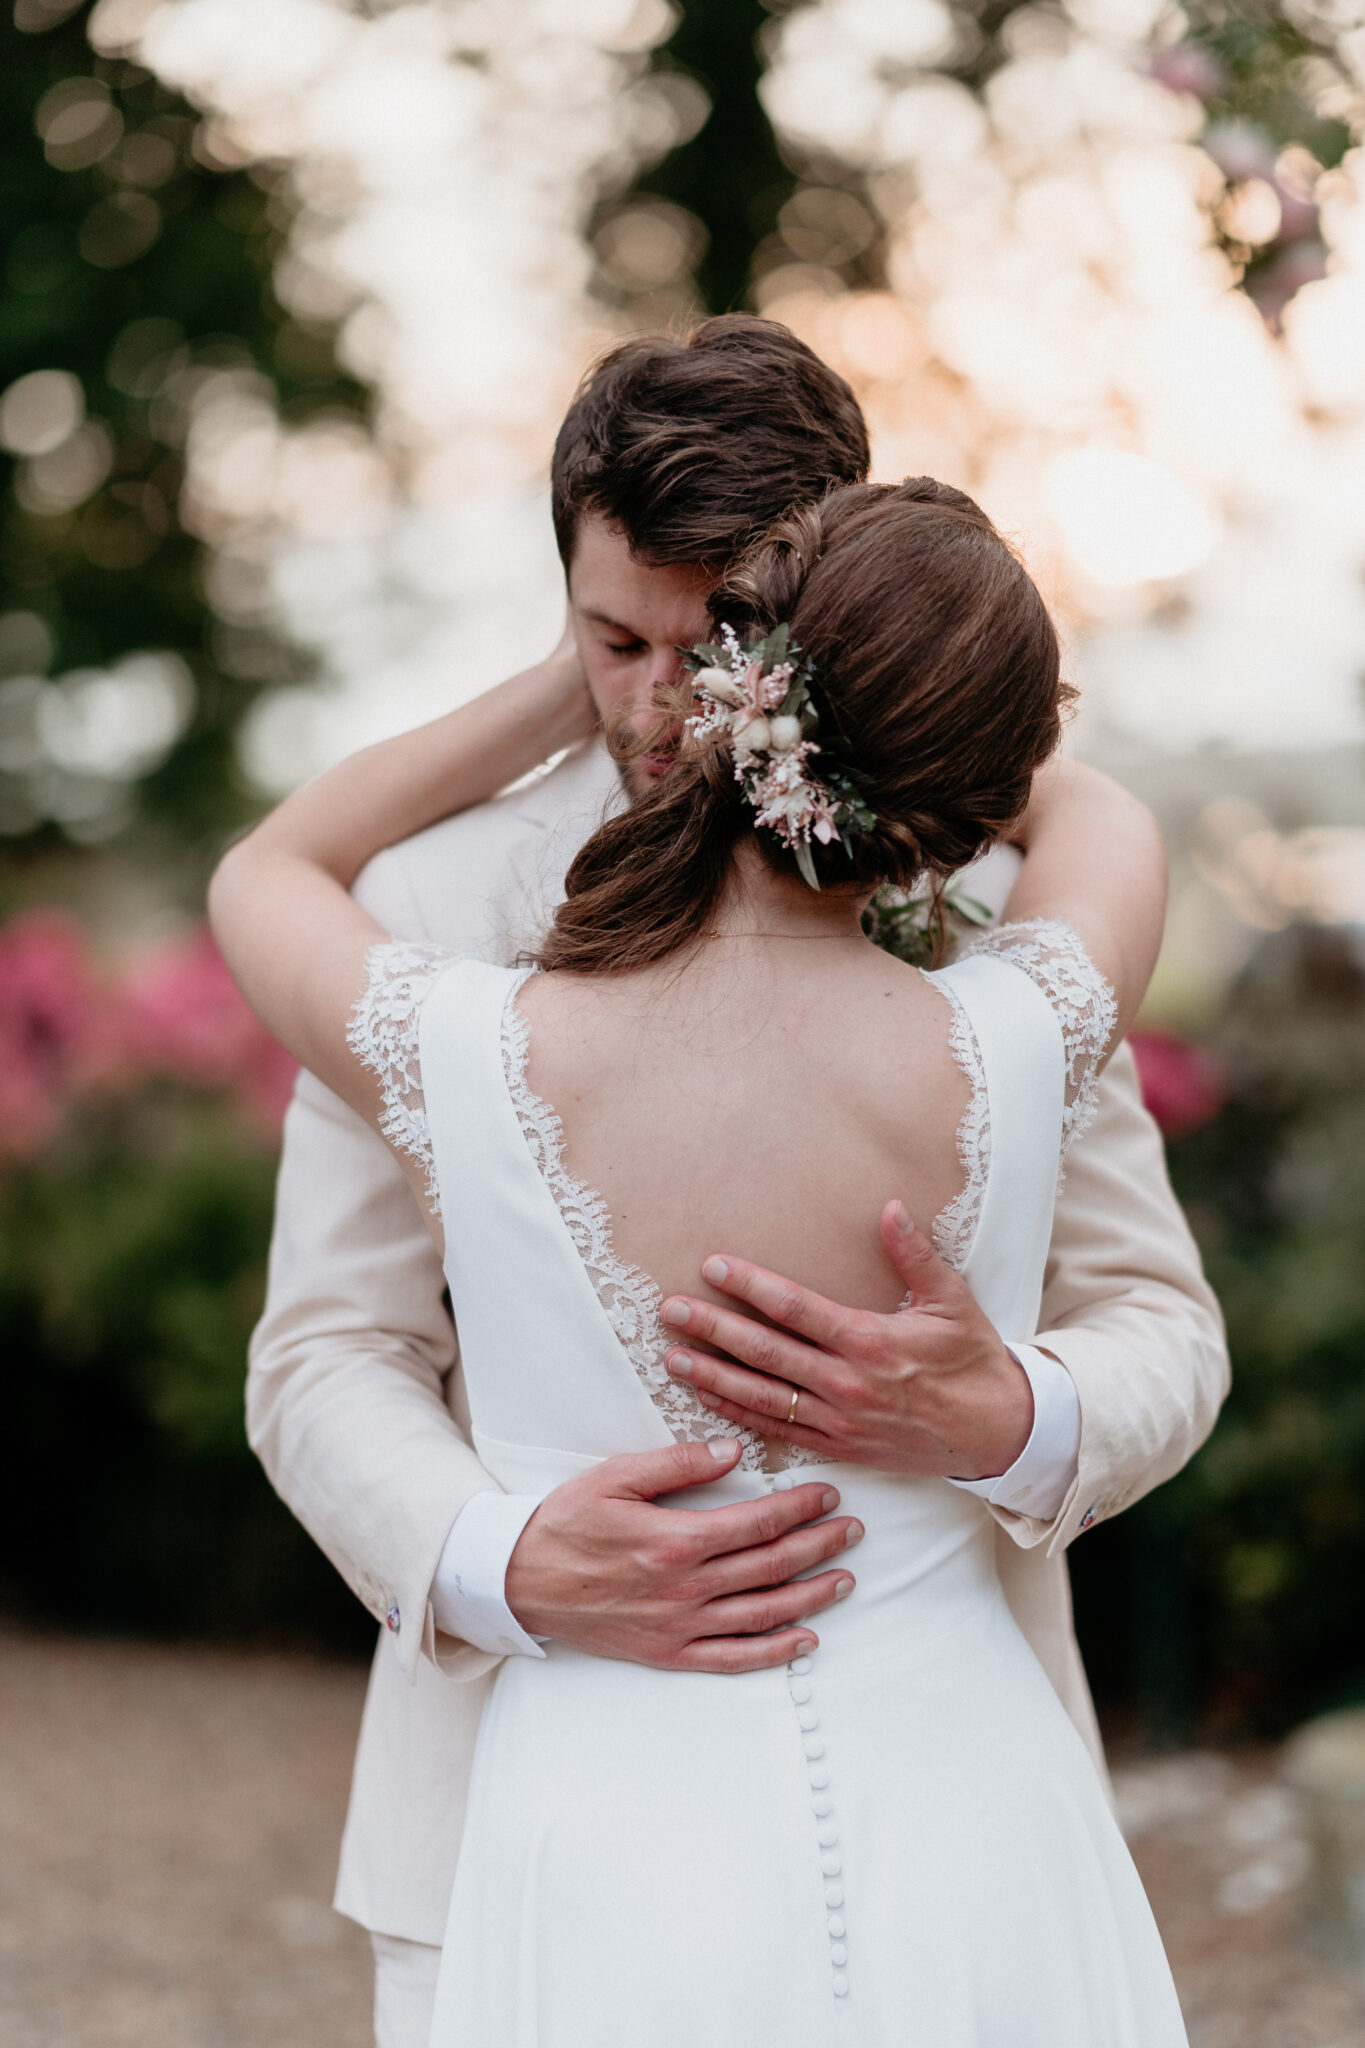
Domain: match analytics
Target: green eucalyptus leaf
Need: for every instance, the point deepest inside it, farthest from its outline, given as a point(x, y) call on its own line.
point(966, 908)
point(806, 865)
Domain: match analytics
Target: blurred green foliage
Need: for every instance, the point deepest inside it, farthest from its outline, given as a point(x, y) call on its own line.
point(132, 257)
point(1234, 1597)
point(132, 1254)
point(131, 1272)
point(730, 174)
point(1272, 1516)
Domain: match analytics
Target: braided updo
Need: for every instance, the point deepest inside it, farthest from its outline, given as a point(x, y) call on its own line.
point(937, 666)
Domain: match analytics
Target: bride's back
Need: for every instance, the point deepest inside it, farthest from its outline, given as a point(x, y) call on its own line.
point(765, 1096)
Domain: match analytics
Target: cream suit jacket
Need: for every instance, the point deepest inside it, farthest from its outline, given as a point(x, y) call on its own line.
point(354, 1402)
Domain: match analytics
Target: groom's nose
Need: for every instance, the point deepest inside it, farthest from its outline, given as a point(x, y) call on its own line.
point(660, 668)
point(665, 663)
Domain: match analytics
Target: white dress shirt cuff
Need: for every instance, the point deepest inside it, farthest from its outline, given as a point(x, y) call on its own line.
point(469, 1591)
point(1038, 1481)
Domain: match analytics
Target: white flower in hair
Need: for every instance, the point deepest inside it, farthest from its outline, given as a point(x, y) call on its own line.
point(756, 700)
point(718, 683)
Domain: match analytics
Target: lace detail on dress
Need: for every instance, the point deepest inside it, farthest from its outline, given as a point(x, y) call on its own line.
point(1053, 956)
point(955, 1227)
point(629, 1297)
point(382, 1034)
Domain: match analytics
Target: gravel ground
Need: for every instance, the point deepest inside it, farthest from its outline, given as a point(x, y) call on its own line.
point(168, 1830)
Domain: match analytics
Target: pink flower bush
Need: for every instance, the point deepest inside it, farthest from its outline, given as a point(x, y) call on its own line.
point(56, 1030)
point(183, 1015)
point(1182, 1086)
point(65, 1029)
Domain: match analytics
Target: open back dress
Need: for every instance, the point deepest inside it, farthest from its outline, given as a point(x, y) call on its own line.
point(899, 1841)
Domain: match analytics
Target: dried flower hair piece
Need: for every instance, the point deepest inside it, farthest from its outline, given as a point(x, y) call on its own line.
point(755, 699)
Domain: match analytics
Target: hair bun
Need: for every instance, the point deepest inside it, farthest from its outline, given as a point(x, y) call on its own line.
point(765, 586)
point(927, 490)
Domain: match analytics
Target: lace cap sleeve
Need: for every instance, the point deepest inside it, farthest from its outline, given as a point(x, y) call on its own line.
point(382, 1034)
point(1053, 955)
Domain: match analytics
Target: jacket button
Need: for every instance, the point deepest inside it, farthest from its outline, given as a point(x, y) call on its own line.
point(393, 1620)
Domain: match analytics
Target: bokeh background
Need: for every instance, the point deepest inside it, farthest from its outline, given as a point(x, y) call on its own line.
point(295, 292)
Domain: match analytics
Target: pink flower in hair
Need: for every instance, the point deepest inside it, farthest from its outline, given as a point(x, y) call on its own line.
point(757, 700)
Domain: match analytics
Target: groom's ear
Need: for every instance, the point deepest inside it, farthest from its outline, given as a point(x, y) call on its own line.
point(696, 445)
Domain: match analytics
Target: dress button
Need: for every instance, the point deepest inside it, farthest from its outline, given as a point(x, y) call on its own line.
point(828, 1835)
point(822, 1807)
point(815, 1748)
point(840, 1985)
point(800, 1693)
point(834, 1896)
point(818, 1779)
point(838, 1954)
point(393, 1619)
point(832, 1864)
point(799, 1666)
point(836, 1926)
point(808, 1720)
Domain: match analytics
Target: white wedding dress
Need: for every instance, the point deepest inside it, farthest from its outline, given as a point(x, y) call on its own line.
point(897, 1842)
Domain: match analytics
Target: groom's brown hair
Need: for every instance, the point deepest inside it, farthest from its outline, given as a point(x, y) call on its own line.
point(695, 445)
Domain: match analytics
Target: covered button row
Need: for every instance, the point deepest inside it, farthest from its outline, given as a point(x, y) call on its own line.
point(827, 1834)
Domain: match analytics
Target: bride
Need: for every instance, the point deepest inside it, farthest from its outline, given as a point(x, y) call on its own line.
point(899, 1837)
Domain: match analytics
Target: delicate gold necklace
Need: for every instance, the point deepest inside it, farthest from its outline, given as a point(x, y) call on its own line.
point(807, 936)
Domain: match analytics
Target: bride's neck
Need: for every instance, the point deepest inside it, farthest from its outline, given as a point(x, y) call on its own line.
point(760, 903)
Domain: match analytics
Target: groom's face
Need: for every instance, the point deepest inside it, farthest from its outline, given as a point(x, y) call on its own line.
point(630, 621)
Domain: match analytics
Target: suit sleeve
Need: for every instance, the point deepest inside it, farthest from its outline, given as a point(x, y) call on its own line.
point(349, 1386)
point(1128, 1312)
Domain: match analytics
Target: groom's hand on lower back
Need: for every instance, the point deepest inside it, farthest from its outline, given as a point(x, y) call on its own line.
point(602, 1566)
point(931, 1391)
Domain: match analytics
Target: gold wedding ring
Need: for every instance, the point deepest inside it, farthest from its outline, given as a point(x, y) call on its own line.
point(791, 1412)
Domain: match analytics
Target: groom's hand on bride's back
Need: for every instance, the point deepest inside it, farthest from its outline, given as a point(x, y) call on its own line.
point(930, 1391)
point(602, 1566)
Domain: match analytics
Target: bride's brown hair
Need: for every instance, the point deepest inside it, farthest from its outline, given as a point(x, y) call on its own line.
point(936, 665)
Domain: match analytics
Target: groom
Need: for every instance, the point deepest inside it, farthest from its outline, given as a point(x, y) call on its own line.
point(673, 456)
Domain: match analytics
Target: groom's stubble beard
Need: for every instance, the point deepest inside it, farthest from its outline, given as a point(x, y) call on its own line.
point(641, 773)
